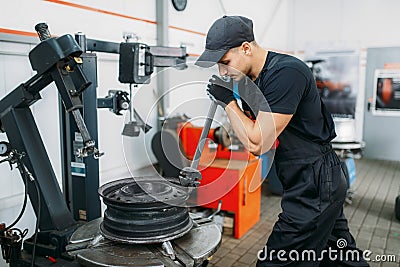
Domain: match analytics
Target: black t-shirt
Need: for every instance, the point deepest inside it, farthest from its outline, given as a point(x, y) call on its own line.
point(289, 88)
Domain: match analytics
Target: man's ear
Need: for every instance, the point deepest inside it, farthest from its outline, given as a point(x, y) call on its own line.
point(246, 48)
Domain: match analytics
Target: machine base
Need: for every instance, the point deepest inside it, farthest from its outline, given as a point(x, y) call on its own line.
point(193, 249)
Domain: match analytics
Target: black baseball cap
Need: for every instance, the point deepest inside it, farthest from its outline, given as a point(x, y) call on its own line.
point(225, 33)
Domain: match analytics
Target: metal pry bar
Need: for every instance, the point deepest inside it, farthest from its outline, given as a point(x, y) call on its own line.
point(189, 176)
point(204, 133)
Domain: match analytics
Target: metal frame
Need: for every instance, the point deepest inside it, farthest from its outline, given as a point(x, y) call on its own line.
point(80, 189)
point(55, 60)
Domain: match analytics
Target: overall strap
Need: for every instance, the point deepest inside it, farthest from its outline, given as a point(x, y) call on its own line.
point(328, 119)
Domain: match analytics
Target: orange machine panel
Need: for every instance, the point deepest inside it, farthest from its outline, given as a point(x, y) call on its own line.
point(190, 136)
point(237, 183)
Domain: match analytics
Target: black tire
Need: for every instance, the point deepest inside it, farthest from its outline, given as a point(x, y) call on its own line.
point(397, 208)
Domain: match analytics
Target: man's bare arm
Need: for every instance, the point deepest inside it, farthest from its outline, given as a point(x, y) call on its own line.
point(259, 136)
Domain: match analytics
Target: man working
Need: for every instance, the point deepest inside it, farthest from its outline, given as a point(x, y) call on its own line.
point(314, 185)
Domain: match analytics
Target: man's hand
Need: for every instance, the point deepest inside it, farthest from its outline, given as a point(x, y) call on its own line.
point(221, 90)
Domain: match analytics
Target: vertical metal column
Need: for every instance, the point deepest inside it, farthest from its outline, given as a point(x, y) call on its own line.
point(89, 99)
point(81, 176)
point(162, 40)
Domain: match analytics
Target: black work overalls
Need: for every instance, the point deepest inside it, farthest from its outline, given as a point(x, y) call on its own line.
point(312, 204)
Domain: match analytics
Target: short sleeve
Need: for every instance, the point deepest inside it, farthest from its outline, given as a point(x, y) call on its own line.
point(283, 90)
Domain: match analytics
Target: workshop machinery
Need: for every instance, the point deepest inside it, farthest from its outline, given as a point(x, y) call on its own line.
point(136, 64)
point(147, 222)
point(230, 172)
point(175, 145)
point(231, 176)
point(55, 60)
point(116, 239)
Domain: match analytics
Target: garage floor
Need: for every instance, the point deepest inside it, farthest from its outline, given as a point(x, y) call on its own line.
point(371, 218)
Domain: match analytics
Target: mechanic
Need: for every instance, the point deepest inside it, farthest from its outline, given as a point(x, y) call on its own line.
point(314, 184)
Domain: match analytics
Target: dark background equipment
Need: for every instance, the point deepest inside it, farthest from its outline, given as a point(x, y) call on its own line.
point(335, 94)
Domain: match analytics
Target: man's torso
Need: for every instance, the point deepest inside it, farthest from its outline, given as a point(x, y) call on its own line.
point(289, 88)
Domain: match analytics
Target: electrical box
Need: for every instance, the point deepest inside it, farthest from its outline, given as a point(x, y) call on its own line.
point(136, 63)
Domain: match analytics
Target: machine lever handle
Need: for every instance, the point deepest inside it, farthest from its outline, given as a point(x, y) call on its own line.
point(204, 134)
point(189, 176)
point(43, 31)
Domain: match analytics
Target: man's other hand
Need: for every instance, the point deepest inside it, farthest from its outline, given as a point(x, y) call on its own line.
point(221, 90)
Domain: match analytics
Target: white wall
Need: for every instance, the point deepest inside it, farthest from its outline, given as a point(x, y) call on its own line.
point(361, 23)
point(270, 19)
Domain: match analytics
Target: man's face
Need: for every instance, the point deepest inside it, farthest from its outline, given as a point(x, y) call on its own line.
point(233, 64)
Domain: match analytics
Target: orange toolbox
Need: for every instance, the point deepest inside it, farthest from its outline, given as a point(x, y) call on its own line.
point(231, 176)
